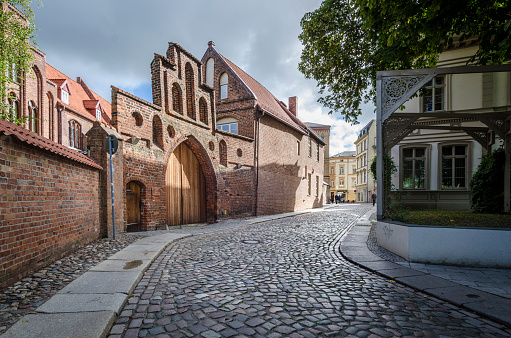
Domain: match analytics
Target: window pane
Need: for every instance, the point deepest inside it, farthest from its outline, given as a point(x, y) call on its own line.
point(419, 152)
point(459, 150)
point(439, 98)
point(447, 173)
point(407, 174)
point(460, 172)
point(439, 80)
point(419, 174)
point(447, 151)
point(234, 128)
point(408, 152)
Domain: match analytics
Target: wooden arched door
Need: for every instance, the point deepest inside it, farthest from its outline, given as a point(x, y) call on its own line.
point(133, 206)
point(185, 187)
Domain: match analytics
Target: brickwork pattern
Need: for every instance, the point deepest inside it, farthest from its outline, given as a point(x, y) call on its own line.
point(48, 207)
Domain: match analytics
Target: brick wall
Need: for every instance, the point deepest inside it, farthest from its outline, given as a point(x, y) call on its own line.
point(283, 174)
point(48, 206)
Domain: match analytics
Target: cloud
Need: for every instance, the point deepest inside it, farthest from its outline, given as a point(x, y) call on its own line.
point(112, 43)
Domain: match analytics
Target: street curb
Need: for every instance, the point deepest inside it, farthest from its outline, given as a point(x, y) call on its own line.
point(353, 247)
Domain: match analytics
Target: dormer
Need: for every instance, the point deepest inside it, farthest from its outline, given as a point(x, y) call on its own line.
point(63, 89)
point(93, 107)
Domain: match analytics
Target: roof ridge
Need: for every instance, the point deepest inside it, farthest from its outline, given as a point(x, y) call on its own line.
point(86, 88)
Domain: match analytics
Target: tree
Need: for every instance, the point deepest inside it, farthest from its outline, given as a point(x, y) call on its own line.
point(16, 33)
point(487, 190)
point(347, 41)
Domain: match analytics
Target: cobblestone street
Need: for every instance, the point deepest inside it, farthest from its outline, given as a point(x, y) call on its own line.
point(283, 278)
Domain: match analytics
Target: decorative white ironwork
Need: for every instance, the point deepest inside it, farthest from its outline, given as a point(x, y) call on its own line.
point(394, 88)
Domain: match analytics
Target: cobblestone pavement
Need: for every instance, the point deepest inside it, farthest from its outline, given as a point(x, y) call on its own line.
point(283, 278)
point(26, 295)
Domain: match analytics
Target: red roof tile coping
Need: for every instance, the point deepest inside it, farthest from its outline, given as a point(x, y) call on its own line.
point(24, 135)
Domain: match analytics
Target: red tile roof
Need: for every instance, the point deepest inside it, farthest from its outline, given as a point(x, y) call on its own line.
point(266, 100)
point(79, 94)
point(24, 135)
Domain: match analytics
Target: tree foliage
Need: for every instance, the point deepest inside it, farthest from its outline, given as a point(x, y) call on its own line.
point(487, 190)
point(16, 57)
point(347, 41)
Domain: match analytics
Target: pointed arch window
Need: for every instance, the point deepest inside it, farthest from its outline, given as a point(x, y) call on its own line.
point(177, 98)
point(190, 91)
point(14, 107)
point(75, 134)
point(224, 86)
point(203, 111)
point(32, 117)
point(51, 122)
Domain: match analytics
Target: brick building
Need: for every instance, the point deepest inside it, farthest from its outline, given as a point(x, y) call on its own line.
point(214, 143)
point(56, 106)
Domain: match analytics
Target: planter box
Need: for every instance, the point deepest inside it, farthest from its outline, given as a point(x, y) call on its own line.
point(479, 247)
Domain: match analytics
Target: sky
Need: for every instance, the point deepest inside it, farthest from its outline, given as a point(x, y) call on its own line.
point(112, 42)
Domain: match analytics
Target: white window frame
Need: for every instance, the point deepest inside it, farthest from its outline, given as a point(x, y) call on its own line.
point(98, 114)
point(64, 96)
point(224, 86)
point(228, 124)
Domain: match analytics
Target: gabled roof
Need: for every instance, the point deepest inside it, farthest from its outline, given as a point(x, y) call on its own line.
point(81, 95)
point(265, 99)
point(24, 135)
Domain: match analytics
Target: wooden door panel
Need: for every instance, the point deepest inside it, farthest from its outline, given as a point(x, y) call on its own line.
point(133, 206)
point(186, 188)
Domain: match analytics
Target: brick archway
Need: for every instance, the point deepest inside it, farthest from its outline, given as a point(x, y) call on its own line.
point(207, 169)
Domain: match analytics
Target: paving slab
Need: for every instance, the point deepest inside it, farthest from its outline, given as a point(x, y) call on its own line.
point(498, 308)
point(400, 272)
point(83, 303)
point(131, 255)
point(426, 282)
point(462, 295)
point(104, 282)
point(122, 265)
point(62, 325)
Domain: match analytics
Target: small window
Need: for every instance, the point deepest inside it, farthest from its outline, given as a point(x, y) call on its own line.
point(341, 171)
point(13, 72)
point(98, 114)
point(322, 137)
point(298, 147)
point(64, 96)
point(332, 171)
point(433, 95)
point(341, 183)
point(354, 182)
point(309, 178)
point(354, 170)
point(317, 152)
point(75, 134)
point(224, 86)
point(310, 147)
point(32, 117)
point(332, 183)
point(229, 125)
point(317, 185)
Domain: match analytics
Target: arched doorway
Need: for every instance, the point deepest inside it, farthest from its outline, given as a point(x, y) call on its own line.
point(185, 188)
point(133, 206)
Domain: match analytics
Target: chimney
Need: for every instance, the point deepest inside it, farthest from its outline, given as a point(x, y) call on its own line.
point(292, 105)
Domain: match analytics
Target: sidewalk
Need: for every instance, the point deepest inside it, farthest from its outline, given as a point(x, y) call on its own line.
point(89, 305)
point(462, 286)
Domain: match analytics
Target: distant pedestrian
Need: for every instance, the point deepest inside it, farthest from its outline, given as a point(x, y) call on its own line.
point(373, 196)
point(336, 199)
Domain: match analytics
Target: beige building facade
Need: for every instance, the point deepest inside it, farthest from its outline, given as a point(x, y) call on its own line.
point(343, 176)
point(366, 151)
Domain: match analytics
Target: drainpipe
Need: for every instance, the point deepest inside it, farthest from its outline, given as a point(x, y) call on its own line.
point(257, 159)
